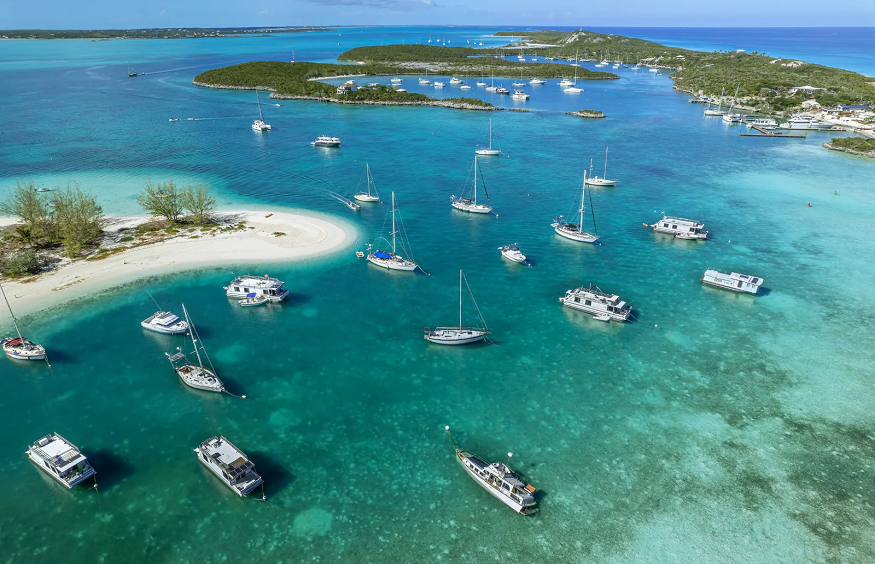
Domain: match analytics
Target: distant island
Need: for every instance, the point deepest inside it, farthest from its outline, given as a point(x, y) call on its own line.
point(150, 33)
point(765, 84)
point(587, 114)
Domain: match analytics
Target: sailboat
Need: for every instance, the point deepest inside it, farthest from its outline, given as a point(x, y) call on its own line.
point(195, 375)
point(425, 81)
point(259, 124)
point(595, 180)
point(490, 152)
point(131, 73)
point(520, 83)
point(469, 204)
point(718, 112)
point(572, 88)
point(492, 87)
point(390, 260)
point(459, 335)
point(361, 196)
point(730, 117)
point(20, 348)
point(481, 82)
point(576, 232)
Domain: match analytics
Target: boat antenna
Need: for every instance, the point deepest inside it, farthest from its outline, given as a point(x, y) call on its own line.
point(507, 464)
point(153, 299)
point(452, 441)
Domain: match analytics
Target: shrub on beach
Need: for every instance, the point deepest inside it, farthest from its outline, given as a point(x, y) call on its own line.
point(20, 263)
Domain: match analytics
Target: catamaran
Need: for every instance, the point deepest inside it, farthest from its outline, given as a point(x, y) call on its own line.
point(459, 335)
point(229, 464)
point(259, 124)
point(575, 232)
point(498, 479)
point(20, 348)
point(604, 181)
point(470, 204)
point(490, 152)
point(572, 88)
point(60, 459)
point(390, 260)
point(195, 375)
point(368, 197)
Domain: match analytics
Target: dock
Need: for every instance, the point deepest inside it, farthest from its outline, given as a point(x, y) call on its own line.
point(767, 133)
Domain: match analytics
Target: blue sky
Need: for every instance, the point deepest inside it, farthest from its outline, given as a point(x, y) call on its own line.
point(95, 14)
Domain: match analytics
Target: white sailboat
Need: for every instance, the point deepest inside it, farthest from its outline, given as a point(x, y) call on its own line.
point(425, 81)
point(368, 197)
point(459, 335)
point(604, 181)
point(575, 232)
point(572, 88)
point(718, 112)
point(20, 348)
point(390, 260)
point(731, 117)
point(490, 152)
point(259, 124)
point(470, 204)
point(195, 375)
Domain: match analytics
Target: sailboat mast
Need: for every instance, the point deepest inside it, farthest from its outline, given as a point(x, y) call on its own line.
point(582, 199)
point(606, 163)
point(490, 135)
point(460, 300)
point(393, 223)
point(192, 331)
point(260, 116)
point(9, 307)
point(475, 180)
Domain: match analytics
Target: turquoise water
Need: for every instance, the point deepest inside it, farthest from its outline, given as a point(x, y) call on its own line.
point(717, 428)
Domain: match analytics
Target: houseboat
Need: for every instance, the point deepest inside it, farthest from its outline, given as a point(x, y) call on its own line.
point(252, 286)
point(680, 227)
point(60, 459)
point(733, 281)
point(165, 322)
point(230, 464)
point(599, 304)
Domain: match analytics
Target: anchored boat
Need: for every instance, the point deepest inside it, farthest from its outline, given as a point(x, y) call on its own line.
point(575, 231)
point(367, 196)
point(60, 459)
point(470, 204)
point(165, 322)
point(20, 348)
point(498, 479)
point(391, 260)
point(512, 252)
point(248, 286)
point(681, 228)
point(490, 152)
point(604, 181)
point(593, 300)
point(326, 141)
point(259, 124)
point(229, 464)
point(734, 281)
point(195, 375)
point(459, 335)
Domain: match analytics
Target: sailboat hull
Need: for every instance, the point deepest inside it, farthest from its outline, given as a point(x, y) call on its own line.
point(15, 355)
point(579, 236)
point(366, 198)
point(488, 152)
point(396, 263)
point(600, 182)
point(199, 378)
point(472, 208)
point(454, 336)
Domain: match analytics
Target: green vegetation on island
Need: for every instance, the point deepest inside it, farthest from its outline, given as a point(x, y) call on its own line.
point(171, 202)
point(764, 83)
point(149, 33)
point(587, 114)
point(462, 61)
point(864, 146)
point(296, 80)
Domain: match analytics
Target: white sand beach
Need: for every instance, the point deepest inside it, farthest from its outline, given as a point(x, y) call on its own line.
point(302, 237)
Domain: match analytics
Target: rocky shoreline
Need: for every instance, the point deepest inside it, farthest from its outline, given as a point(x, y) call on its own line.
point(275, 96)
point(831, 147)
point(587, 114)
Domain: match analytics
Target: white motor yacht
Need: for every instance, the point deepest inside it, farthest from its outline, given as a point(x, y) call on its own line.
point(498, 479)
point(455, 80)
point(439, 84)
point(326, 141)
point(397, 80)
point(502, 90)
point(763, 123)
point(368, 196)
point(680, 227)
point(390, 260)
point(573, 231)
point(249, 286)
point(229, 464)
point(734, 281)
point(519, 95)
point(593, 300)
point(60, 459)
point(565, 82)
point(805, 121)
point(459, 335)
point(465, 87)
point(195, 375)
point(537, 81)
point(512, 252)
point(165, 322)
point(470, 204)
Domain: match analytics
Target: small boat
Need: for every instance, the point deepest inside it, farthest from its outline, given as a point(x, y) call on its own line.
point(360, 254)
point(565, 82)
point(573, 231)
point(326, 141)
point(459, 335)
point(195, 375)
point(60, 459)
point(520, 82)
point(278, 105)
point(165, 322)
point(571, 88)
point(425, 81)
point(519, 95)
point(368, 197)
point(439, 84)
point(537, 81)
point(465, 87)
point(502, 90)
point(252, 299)
point(173, 119)
point(604, 181)
point(259, 124)
point(391, 260)
point(734, 281)
point(400, 90)
point(45, 189)
point(512, 252)
point(242, 286)
point(593, 300)
point(455, 80)
point(490, 152)
point(602, 317)
point(229, 464)
point(353, 206)
point(680, 227)
point(20, 348)
point(498, 479)
point(653, 69)
point(397, 80)
point(470, 204)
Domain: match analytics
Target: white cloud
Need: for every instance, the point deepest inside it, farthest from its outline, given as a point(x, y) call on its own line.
point(161, 13)
point(261, 12)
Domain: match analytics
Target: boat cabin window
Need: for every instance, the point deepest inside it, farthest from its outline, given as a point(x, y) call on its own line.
point(587, 302)
point(665, 224)
point(577, 299)
point(505, 486)
point(236, 288)
point(739, 284)
point(674, 226)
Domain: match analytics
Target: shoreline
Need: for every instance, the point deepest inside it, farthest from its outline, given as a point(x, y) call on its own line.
point(303, 237)
point(831, 147)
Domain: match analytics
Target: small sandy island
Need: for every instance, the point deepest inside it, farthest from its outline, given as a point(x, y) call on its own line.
point(268, 236)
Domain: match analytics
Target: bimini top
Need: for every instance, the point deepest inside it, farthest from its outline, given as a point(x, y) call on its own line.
point(381, 254)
